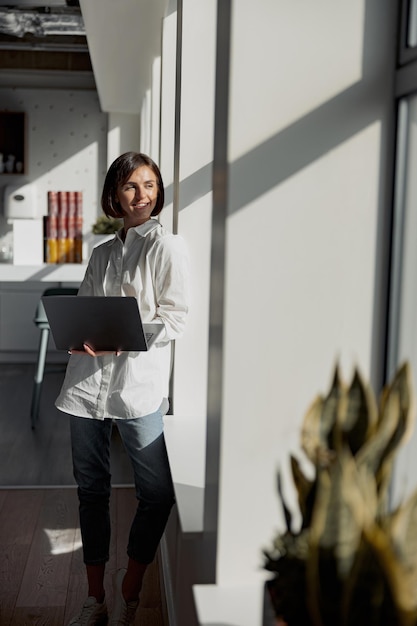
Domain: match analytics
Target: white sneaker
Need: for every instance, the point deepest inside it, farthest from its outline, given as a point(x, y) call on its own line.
point(123, 612)
point(92, 614)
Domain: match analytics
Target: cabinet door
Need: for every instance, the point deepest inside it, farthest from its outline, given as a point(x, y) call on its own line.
point(12, 142)
point(17, 329)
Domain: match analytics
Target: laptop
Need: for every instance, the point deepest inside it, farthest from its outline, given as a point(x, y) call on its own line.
point(110, 323)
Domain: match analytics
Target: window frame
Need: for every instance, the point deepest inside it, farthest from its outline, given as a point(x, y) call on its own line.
point(406, 54)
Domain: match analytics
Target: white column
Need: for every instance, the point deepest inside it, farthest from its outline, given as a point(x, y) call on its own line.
point(154, 151)
point(123, 134)
point(167, 132)
point(145, 122)
point(195, 197)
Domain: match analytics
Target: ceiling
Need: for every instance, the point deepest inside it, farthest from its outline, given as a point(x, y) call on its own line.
point(124, 38)
point(48, 35)
point(110, 43)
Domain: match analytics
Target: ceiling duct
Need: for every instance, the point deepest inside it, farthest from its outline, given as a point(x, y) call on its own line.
point(52, 26)
point(40, 24)
point(43, 37)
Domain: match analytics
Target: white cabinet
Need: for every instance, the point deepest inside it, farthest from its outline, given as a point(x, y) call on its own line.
point(19, 335)
point(17, 310)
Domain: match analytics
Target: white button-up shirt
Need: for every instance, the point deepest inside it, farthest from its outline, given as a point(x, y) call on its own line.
point(151, 265)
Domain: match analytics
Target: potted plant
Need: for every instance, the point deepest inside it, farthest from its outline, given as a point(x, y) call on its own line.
point(102, 230)
point(106, 225)
point(353, 562)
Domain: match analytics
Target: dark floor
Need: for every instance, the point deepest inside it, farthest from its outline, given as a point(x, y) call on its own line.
point(42, 577)
point(41, 457)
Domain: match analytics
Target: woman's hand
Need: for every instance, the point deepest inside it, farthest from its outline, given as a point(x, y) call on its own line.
point(91, 352)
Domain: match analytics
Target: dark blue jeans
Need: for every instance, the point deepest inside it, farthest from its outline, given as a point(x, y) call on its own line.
point(144, 441)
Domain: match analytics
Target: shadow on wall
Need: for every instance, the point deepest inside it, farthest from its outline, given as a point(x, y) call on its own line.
point(278, 158)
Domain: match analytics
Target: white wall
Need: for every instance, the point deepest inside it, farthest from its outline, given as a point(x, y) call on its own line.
point(309, 108)
point(66, 142)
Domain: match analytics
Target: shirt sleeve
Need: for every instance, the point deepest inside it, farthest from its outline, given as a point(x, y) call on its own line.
point(87, 284)
point(172, 285)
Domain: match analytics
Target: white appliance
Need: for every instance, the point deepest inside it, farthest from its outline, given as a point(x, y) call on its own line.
point(20, 201)
point(28, 242)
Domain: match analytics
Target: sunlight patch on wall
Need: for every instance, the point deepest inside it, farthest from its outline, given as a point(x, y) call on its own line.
point(285, 67)
point(319, 230)
point(113, 143)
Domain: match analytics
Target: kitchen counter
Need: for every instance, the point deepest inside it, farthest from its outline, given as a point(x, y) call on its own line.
point(47, 273)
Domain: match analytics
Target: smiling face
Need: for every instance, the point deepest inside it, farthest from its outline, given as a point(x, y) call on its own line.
point(137, 196)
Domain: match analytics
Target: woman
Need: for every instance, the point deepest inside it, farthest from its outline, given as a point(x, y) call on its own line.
point(129, 389)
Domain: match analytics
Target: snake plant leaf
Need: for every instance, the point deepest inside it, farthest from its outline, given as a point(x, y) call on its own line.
point(353, 563)
point(400, 387)
point(371, 592)
point(402, 526)
point(333, 407)
point(394, 426)
point(305, 492)
point(372, 452)
point(335, 534)
point(313, 583)
point(368, 488)
point(339, 512)
point(310, 430)
point(285, 509)
point(395, 573)
point(361, 415)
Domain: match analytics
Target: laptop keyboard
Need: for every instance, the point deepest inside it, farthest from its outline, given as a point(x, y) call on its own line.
point(148, 336)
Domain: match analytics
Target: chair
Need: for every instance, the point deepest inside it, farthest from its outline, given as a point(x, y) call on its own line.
point(41, 322)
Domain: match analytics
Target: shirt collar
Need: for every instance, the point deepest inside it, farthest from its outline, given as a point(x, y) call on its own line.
point(142, 230)
point(147, 227)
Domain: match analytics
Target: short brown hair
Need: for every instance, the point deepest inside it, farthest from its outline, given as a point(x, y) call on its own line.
point(119, 172)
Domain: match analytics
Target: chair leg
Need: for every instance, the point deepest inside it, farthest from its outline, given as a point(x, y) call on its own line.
point(37, 383)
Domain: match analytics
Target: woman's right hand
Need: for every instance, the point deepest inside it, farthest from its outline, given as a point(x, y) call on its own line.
point(91, 352)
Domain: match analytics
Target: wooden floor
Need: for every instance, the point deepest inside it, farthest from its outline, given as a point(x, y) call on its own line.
point(42, 577)
point(41, 456)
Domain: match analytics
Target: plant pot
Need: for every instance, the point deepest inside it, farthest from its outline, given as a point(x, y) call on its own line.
point(268, 617)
